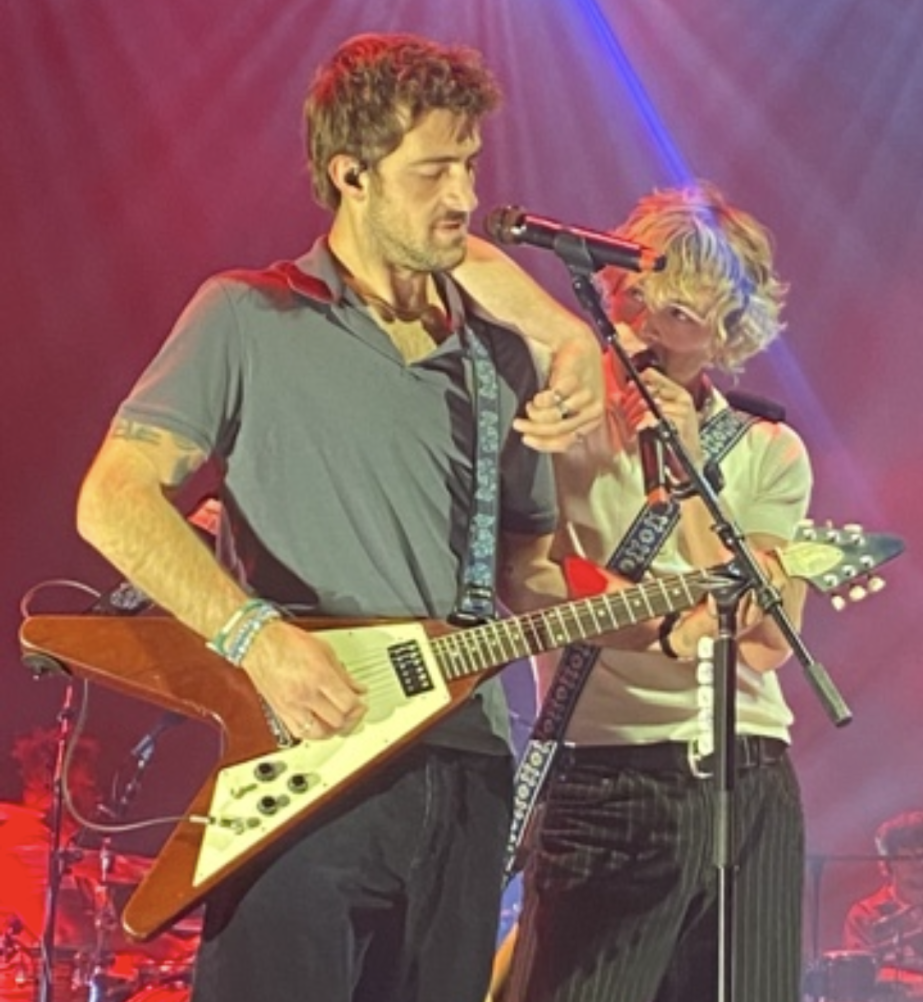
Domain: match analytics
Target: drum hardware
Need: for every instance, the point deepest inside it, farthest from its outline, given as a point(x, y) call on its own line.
point(57, 859)
point(843, 976)
point(58, 897)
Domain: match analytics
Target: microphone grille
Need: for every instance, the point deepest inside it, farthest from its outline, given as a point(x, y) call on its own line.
point(500, 223)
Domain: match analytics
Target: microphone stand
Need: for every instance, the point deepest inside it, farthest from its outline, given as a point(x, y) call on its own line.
point(57, 858)
point(744, 574)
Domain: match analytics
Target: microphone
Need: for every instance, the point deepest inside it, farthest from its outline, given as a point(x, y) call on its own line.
point(650, 445)
point(654, 468)
point(144, 749)
point(574, 244)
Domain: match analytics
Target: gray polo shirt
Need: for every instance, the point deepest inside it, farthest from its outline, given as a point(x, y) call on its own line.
point(347, 473)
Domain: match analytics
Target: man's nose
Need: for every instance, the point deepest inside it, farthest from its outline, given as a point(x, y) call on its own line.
point(460, 193)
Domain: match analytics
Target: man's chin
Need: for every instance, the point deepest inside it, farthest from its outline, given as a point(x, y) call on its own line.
point(449, 258)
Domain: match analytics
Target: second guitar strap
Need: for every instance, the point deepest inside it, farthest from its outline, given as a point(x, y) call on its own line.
point(632, 557)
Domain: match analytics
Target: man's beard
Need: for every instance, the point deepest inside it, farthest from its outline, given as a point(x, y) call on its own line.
point(399, 248)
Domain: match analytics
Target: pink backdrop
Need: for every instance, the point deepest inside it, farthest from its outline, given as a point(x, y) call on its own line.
point(147, 145)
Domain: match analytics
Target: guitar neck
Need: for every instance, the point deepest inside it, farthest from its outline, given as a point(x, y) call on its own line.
point(478, 649)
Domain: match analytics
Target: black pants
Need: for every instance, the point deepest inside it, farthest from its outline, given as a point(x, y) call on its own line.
point(620, 899)
point(394, 900)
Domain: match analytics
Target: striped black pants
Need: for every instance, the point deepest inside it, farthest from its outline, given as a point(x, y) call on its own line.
point(620, 900)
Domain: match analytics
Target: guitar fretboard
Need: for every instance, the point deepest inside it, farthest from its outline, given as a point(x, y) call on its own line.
point(468, 652)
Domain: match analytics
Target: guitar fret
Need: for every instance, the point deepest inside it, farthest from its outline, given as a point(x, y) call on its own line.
point(585, 619)
point(451, 657)
point(533, 635)
point(603, 608)
point(518, 642)
point(490, 650)
point(555, 621)
point(503, 641)
point(472, 650)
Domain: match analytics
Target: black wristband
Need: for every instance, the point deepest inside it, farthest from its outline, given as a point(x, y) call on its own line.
point(683, 491)
point(663, 635)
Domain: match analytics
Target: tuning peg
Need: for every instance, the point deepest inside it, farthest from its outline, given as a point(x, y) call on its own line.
point(805, 530)
point(848, 572)
point(857, 593)
point(832, 534)
point(876, 584)
point(838, 602)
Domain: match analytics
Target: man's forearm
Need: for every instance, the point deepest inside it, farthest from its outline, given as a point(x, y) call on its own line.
point(124, 514)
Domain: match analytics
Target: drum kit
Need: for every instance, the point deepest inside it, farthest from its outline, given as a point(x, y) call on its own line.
point(858, 976)
point(888, 970)
point(63, 884)
point(92, 960)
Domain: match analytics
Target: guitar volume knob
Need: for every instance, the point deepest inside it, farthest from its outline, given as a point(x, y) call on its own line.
point(298, 783)
point(268, 770)
point(269, 805)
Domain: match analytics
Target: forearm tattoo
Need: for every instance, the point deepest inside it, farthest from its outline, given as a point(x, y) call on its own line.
point(187, 456)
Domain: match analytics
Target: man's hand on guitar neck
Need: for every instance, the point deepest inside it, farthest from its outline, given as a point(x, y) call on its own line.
point(304, 683)
point(761, 644)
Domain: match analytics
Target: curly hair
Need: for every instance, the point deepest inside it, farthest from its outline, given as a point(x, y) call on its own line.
point(375, 89)
point(37, 751)
point(709, 245)
point(903, 832)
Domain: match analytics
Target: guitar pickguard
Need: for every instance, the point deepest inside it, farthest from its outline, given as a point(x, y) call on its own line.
point(255, 797)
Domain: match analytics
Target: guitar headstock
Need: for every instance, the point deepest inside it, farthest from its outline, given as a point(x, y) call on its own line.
point(839, 560)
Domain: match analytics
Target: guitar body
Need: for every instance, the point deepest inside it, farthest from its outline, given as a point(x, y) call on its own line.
point(258, 789)
point(416, 673)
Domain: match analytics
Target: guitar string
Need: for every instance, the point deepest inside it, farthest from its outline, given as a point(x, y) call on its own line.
point(543, 624)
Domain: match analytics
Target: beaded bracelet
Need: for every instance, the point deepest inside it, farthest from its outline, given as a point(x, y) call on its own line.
point(237, 635)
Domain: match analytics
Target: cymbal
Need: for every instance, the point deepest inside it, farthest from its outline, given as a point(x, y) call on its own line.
point(11, 811)
point(906, 965)
point(822, 858)
point(20, 824)
point(24, 908)
point(118, 868)
point(99, 866)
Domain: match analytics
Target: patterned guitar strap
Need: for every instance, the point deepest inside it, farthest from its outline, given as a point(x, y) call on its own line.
point(476, 600)
point(631, 559)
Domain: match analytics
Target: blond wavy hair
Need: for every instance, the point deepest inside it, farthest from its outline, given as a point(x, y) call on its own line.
point(713, 249)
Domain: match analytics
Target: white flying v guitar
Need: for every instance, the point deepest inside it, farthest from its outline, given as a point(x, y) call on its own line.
point(416, 673)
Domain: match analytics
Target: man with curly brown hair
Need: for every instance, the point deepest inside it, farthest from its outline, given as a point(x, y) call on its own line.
point(361, 414)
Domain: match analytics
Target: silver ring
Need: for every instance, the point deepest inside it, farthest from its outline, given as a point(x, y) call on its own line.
point(562, 407)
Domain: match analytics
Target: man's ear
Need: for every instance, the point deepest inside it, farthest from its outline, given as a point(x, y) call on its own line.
point(348, 174)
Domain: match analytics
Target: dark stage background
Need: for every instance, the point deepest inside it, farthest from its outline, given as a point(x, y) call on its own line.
point(145, 146)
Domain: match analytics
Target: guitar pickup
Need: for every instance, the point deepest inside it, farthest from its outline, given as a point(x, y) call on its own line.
point(410, 668)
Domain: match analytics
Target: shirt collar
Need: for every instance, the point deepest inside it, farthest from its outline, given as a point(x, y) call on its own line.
point(316, 276)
